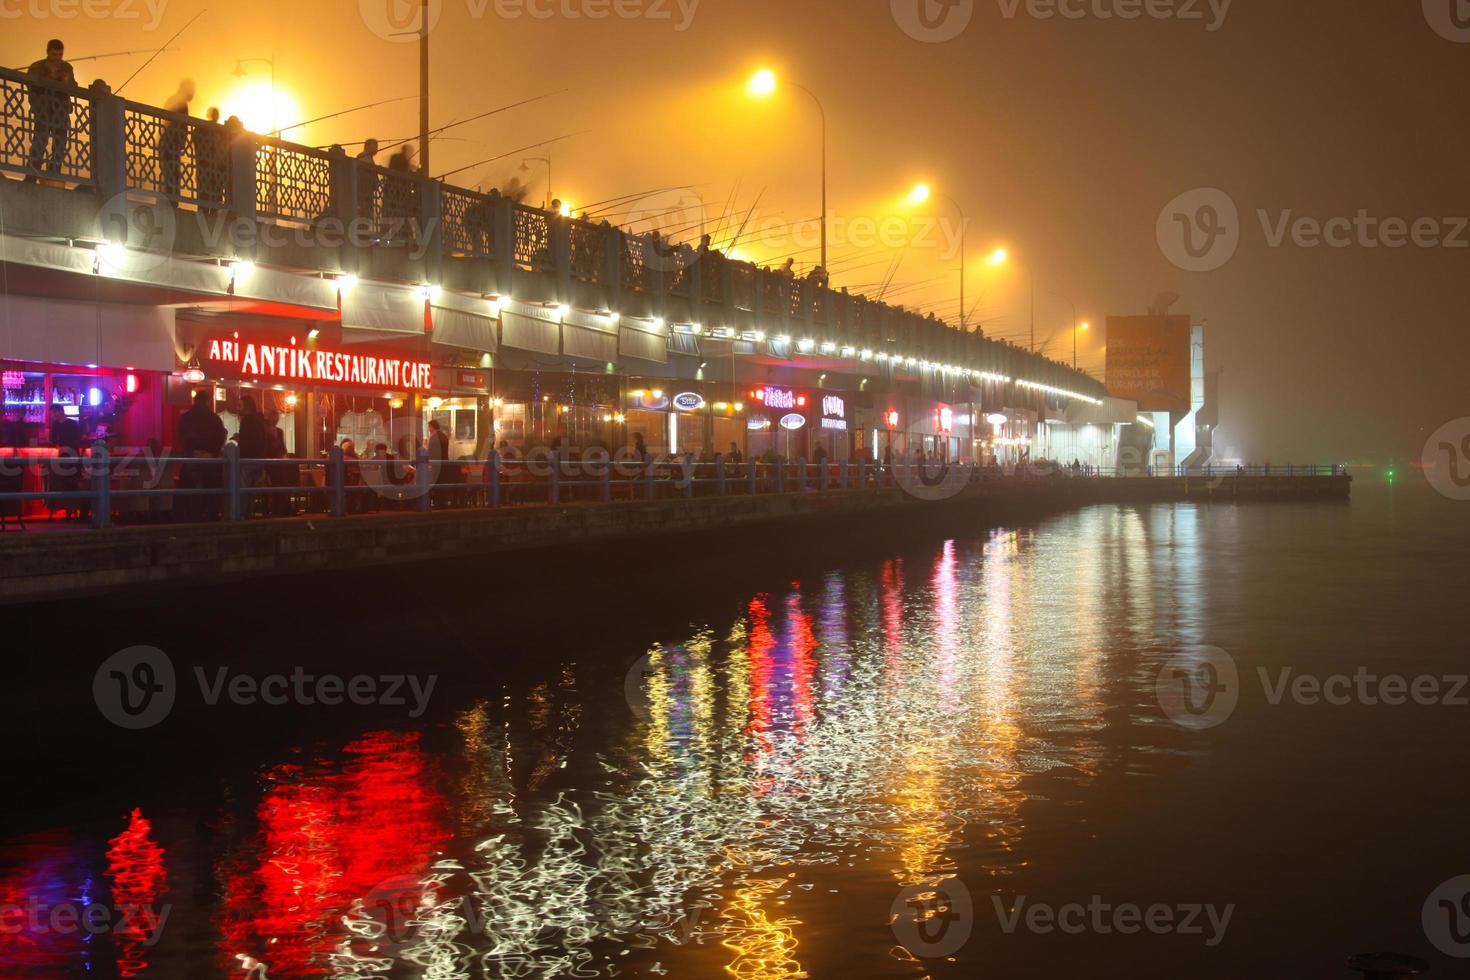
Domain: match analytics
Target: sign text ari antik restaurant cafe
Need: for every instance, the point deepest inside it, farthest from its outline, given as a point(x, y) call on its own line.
point(291, 363)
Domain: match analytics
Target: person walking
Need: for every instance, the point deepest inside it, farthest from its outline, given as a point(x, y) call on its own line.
point(50, 110)
point(201, 436)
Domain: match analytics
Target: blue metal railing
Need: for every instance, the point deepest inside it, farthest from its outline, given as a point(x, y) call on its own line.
point(228, 488)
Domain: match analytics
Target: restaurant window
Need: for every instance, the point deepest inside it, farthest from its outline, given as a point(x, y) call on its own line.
point(460, 419)
point(124, 408)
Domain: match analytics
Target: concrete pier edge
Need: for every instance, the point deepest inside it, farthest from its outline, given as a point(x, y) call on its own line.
point(63, 565)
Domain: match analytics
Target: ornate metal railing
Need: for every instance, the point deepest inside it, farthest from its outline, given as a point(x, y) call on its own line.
point(47, 129)
point(183, 159)
point(293, 183)
point(532, 239)
point(468, 222)
point(742, 278)
point(773, 294)
point(712, 278)
point(589, 251)
point(636, 273)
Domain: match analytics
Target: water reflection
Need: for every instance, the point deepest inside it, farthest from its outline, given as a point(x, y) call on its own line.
point(875, 731)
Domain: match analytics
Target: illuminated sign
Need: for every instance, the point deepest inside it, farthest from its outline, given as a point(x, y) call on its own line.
point(689, 401)
point(834, 413)
point(944, 419)
point(892, 419)
point(792, 422)
point(649, 401)
point(758, 423)
point(292, 363)
point(777, 397)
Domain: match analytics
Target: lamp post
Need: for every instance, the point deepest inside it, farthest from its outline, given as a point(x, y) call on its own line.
point(919, 195)
point(1074, 326)
point(762, 85)
point(546, 160)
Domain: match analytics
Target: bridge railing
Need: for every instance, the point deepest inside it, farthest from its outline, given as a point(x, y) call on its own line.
point(176, 157)
point(46, 128)
point(94, 138)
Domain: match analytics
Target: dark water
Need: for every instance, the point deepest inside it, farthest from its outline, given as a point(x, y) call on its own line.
point(850, 761)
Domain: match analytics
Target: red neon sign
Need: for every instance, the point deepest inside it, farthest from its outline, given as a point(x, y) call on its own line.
point(292, 363)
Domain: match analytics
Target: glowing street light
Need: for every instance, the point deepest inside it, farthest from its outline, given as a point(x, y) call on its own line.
point(762, 85)
point(919, 194)
point(999, 257)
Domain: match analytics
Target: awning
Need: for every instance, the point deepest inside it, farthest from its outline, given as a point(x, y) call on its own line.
point(46, 255)
point(531, 330)
point(464, 321)
point(291, 288)
point(595, 345)
point(74, 332)
point(645, 342)
point(378, 311)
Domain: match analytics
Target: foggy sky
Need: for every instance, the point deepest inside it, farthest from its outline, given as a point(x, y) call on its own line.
point(1061, 138)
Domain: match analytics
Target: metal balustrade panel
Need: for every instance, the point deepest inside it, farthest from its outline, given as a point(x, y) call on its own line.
point(468, 223)
point(743, 284)
point(47, 129)
point(293, 183)
point(636, 275)
point(186, 161)
point(589, 251)
point(532, 232)
point(712, 279)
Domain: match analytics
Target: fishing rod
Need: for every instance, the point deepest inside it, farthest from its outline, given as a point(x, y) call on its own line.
point(483, 115)
point(161, 50)
point(511, 153)
point(344, 112)
point(119, 54)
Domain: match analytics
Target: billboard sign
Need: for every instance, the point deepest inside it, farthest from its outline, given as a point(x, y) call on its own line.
point(1148, 361)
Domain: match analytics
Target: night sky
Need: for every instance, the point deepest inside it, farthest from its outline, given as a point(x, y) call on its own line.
point(1061, 138)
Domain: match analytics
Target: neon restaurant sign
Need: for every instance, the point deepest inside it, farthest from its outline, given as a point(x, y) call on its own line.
point(292, 363)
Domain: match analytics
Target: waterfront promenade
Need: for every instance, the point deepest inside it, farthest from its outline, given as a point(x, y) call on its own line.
point(778, 505)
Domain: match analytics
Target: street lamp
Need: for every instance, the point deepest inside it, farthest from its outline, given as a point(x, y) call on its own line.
point(1000, 257)
point(525, 168)
point(240, 72)
point(762, 85)
point(919, 195)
